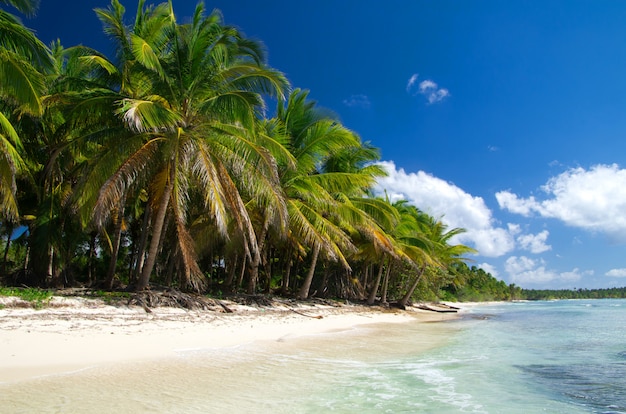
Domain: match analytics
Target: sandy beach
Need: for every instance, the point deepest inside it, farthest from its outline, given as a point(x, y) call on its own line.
point(73, 334)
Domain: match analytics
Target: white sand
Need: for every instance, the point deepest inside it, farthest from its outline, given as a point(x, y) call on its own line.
point(77, 333)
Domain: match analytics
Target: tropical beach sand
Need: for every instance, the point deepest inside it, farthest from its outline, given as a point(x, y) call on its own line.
point(73, 334)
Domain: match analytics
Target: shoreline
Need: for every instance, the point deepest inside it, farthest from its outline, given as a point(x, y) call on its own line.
point(74, 334)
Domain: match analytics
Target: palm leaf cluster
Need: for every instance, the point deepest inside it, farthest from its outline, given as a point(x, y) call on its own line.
point(159, 166)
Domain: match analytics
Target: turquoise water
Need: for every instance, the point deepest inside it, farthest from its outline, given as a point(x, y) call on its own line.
point(539, 357)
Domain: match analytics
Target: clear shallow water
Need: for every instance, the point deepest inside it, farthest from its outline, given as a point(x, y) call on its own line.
point(540, 357)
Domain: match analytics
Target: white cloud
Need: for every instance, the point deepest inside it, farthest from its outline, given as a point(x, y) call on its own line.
point(411, 82)
point(438, 95)
point(525, 271)
point(594, 200)
point(535, 243)
point(361, 101)
point(427, 88)
point(516, 265)
point(616, 272)
point(511, 202)
point(455, 207)
point(514, 228)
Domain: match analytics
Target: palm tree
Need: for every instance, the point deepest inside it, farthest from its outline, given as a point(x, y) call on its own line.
point(23, 59)
point(25, 65)
point(371, 218)
point(317, 190)
point(268, 217)
point(426, 241)
point(192, 97)
point(54, 235)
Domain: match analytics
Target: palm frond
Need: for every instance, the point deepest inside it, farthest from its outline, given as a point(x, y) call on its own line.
point(146, 55)
point(143, 115)
point(11, 142)
point(112, 19)
point(187, 252)
point(119, 173)
point(95, 61)
point(18, 39)
point(21, 82)
point(28, 7)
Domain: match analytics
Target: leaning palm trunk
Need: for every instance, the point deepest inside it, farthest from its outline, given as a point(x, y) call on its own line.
point(372, 296)
point(405, 299)
point(306, 285)
point(242, 273)
point(159, 220)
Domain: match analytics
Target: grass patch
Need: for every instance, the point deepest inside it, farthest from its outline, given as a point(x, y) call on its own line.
point(37, 297)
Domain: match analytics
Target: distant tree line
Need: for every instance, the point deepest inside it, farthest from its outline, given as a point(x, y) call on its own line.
point(473, 284)
point(606, 293)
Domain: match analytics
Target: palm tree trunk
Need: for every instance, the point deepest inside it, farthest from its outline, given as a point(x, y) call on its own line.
point(366, 276)
point(230, 275)
point(267, 264)
point(324, 284)
point(27, 257)
point(256, 259)
point(108, 284)
point(306, 285)
point(243, 272)
point(284, 289)
point(155, 242)
point(6, 249)
point(372, 296)
point(405, 299)
point(141, 254)
point(383, 294)
point(92, 254)
point(50, 271)
point(169, 276)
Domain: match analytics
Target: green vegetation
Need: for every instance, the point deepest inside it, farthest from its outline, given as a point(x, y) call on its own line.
point(475, 285)
point(158, 167)
point(608, 293)
point(38, 297)
point(481, 286)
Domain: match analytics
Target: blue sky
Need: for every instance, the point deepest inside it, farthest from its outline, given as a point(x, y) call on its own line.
point(505, 118)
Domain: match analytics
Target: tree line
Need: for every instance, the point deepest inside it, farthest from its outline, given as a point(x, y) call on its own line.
point(603, 293)
point(480, 286)
point(159, 167)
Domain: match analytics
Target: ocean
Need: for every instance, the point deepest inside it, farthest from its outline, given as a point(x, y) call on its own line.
point(528, 357)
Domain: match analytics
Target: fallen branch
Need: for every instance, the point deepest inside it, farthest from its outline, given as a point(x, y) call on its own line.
point(304, 314)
